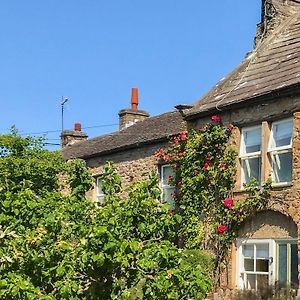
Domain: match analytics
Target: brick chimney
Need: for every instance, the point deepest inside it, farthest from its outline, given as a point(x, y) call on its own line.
point(70, 137)
point(272, 14)
point(128, 117)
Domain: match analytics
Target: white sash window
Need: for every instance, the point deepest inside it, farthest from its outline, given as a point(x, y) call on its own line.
point(280, 151)
point(250, 154)
point(267, 262)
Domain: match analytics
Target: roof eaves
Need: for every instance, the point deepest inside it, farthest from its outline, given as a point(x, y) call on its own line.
point(293, 90)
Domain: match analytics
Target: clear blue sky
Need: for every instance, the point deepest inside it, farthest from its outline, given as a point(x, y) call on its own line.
point(94, 51)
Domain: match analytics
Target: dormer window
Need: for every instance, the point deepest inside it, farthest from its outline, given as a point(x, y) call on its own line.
point(280, 151)
point(250, 154)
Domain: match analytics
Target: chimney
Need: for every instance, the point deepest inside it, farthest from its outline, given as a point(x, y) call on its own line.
point(128, 117)
point(70, 137)
point(272, 14)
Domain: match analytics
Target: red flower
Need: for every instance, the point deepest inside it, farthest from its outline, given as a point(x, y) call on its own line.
point(216, 118)
point(180, 154)
point(167, 157)
point(221, 228)
point(179, 184)
point(161, 151)
point(170, 178)
point(229, 203)
point(206, 165)
point(183, 135)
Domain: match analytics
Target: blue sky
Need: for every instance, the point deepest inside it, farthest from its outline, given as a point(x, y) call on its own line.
point(95, 51)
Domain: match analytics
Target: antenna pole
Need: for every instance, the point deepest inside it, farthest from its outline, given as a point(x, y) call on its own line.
point(63, 102)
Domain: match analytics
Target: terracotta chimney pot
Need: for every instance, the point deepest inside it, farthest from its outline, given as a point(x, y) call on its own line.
point(134, 98)
point(77, 127)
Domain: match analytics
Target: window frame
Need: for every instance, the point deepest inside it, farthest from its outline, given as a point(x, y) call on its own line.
point(163, 185)
point(243, 156)
point(99, 197)
point(273, 272)
point(272, 151)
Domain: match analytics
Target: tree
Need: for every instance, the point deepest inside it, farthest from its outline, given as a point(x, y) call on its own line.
point(55, 245)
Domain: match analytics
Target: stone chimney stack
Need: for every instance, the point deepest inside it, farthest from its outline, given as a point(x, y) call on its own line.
point(272, 14)
point(70, 137)
point(128, 117)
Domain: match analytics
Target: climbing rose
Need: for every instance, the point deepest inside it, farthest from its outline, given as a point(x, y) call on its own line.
point(221, 228)
point(183, 135)
point(216, 118)
point(206, 165)
point(229, 203)
point(179, 184)
point(180, 154)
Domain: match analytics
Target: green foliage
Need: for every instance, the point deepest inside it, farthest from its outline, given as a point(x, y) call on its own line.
point(204, 163)
point(54, 246)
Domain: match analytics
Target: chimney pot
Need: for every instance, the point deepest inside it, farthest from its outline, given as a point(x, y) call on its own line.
point(77, 127)
point(134, 98)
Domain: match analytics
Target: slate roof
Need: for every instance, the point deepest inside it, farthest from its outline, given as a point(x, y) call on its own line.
point(272, 67)
point(148, 131)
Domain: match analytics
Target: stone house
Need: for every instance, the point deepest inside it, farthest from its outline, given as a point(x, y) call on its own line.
point(131, 148)
point(261, 98)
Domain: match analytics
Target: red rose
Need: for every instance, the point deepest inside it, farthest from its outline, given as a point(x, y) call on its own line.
point(216, 118)
point(180, 154)
point(229, 203)
point(170, 178)
point(183, 135)
point(221, 228)
point(179, 184)
point(167, 157)
point(206, 165)
point(161, 151)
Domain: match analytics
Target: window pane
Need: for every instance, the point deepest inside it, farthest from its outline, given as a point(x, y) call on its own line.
point(167, 171)
point(282, 264)
point(262, 282)
point(250, 285)
point(262, 265)
point(252, 140)
point(251, 169)
point(249, 264)
point(262, 251)
point(248, 250)
point(99, 186)
point(282, 167)
point(167, 196)
point(282, 134)
point(294, 266)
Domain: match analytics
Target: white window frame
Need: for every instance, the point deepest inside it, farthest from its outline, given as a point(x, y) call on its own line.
point(243, 155)
point(241, 273)
point(99, 199)
point(279, 150)
point(273, 259)
point(163, 185)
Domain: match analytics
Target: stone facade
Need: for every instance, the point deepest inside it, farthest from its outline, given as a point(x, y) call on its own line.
point(132, 165)
point(282, 220)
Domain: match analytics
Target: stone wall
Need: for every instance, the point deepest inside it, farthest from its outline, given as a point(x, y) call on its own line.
point(285, 200)
point(132, 165)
